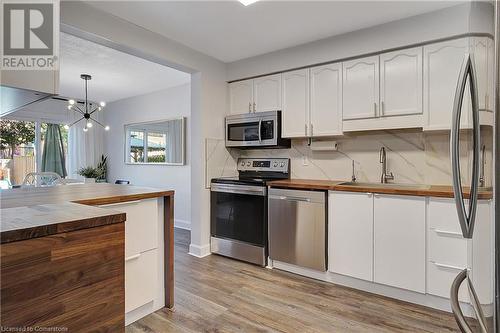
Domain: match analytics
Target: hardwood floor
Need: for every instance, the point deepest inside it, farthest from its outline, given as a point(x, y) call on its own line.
point(217, 294)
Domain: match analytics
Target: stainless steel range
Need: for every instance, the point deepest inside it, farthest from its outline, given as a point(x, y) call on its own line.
point(239, 209)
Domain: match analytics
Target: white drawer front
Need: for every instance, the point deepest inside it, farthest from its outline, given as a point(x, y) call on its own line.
point(442, 215)
point(140, 279)
point(141, 226)
point(447, 247)
point(440, 277)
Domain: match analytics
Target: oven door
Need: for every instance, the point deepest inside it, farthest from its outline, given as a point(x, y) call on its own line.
point(239, 212)
point(252, 131)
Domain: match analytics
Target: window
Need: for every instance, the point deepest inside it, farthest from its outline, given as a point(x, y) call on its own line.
point(136, 144)
point(160, 142)
point(17, 151)
point(157, 147)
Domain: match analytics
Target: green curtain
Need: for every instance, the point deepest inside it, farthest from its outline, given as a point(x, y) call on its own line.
point(53, 152)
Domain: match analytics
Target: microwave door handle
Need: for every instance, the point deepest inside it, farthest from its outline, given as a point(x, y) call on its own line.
point(260, 130)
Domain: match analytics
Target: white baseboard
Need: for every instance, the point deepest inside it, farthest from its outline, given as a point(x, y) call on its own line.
point(199, 251)
point(182, 224)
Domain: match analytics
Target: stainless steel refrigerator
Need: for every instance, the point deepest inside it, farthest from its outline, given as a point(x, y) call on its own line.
point(479, 314)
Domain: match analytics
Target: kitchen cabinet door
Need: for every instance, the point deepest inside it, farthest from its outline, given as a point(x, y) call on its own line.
point(360, 84)
point(442, 64)
point(401, 82)
point(267, 93)
point(241, 97)
point(326, 100)
point(482, 252)
point(295, 103)
point(350, 234)
point(447, 250)
point(399, 241)
point(490, 100)
point(480, 50)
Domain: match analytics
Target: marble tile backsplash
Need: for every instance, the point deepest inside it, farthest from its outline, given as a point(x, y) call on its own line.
point(413, 156)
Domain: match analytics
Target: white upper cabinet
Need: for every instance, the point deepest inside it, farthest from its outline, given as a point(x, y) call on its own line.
point(295, 115)
point(442, 64)
point(326, 100)
point(399, 241)
point(490, 100)
point(350, 234)
point(484, 65)
point(267, 93)
point(241, 97)
point(360, 88)
point(401, 82)
point(256, 95)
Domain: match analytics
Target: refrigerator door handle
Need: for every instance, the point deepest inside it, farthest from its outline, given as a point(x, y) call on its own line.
point(476, 305)
point(465, 217)
point(455, 304)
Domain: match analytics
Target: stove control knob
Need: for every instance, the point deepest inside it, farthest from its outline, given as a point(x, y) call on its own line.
point(242, 163)
point(275, 164)
point(282, 164)
point(248, 163)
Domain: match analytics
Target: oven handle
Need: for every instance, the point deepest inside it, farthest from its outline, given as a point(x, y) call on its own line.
point(239, 189)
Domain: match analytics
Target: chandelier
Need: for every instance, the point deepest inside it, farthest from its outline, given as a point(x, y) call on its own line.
point(87, 110)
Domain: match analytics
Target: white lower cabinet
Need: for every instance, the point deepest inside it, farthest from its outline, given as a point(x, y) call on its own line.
point(449, 252)
point(140, 279)
point(350, 234)
point(141, 251)
point(399, 241)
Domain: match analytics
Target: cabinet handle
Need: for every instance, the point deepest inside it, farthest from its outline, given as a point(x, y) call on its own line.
point(305, 128)
point(311, 130)
point(382, 108)
point(448, 266)
point(135, 256)
point(249, 107)
point(254, 107)
point(449, 233)
point(375, 109)
point(369, 194)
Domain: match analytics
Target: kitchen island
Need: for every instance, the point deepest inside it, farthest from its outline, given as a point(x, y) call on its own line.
point(65, 250)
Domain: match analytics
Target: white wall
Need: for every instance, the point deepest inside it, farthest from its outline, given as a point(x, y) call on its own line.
point(208, 92)
point(170, 103)
point(452, 21)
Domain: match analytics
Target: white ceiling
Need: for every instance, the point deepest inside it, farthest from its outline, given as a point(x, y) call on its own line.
point(229, 31)
point(115, 75)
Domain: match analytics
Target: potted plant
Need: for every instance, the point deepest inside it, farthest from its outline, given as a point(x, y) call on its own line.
point(103, 167)
point(90, 173)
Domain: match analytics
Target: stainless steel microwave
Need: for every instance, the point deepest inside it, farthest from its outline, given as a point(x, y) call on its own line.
point(255, 130)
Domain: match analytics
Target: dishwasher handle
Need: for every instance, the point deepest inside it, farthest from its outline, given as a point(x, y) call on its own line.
point(289, 198)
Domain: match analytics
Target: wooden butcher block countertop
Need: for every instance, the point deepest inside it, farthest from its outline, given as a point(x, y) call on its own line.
point(36, 212)
point(441, 191)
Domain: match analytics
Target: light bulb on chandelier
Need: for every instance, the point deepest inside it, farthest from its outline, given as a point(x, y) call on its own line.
point(87, 109)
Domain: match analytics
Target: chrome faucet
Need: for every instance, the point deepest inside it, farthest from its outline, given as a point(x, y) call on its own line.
point(481, 170)
point(383, 159)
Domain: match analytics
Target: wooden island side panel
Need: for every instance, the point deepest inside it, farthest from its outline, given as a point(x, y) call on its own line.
point(72, 280)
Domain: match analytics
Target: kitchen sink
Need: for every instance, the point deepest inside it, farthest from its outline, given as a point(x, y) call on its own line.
point(387, 185)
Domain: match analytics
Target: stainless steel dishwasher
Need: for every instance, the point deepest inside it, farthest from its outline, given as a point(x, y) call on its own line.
point(297, 227)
